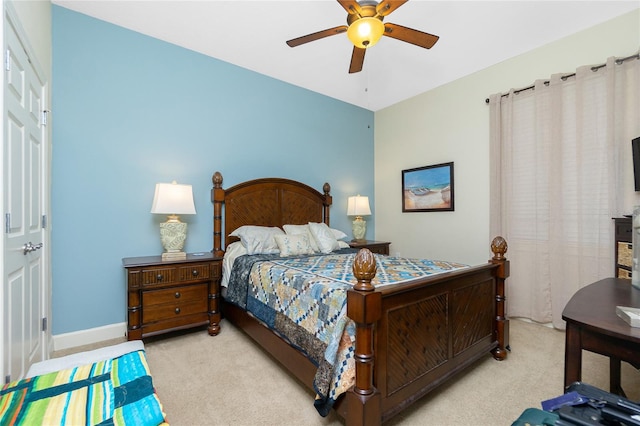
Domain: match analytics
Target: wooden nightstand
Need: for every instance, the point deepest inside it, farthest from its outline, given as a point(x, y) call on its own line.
point(164, 296)
point(380, 247)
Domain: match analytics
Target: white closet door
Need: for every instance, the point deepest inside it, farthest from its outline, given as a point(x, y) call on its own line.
point(24, 154)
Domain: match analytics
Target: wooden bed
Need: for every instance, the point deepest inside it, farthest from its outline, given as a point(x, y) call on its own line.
point(410, 337)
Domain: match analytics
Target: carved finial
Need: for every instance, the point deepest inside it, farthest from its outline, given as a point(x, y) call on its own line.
point(499, 248)
point(217, 180)
point(326, 188)
point(364, 269)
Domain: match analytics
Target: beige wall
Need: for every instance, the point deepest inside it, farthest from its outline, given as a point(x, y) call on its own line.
point(451, 123)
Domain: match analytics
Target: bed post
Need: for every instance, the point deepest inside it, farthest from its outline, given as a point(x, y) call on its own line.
point(499, 248)
point(217, 198)
point(364, 306)
point(328, 200)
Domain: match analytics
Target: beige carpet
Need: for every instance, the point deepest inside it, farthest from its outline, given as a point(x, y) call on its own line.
point(228, 380)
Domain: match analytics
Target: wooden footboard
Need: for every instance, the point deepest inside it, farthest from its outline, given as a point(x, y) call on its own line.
point(410, 337)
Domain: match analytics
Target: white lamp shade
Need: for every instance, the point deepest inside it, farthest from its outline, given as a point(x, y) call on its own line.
point(173, 198)
point(358, 206)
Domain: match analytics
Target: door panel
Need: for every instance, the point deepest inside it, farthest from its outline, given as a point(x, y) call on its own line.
point(32, 315)
point(15, 298)
point(15, 169)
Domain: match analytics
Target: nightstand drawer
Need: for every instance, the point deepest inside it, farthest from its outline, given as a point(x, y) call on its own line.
point(194, 272)
point(182, 294)
point(158, 276)
point(165, 312)
point(174, 302)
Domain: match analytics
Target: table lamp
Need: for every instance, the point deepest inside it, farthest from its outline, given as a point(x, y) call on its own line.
point(358, 206)
point(173, 199)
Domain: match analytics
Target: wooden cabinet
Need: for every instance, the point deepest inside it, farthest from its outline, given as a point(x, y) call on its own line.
point(380, 247)
point(623, 247)
point(164, 296)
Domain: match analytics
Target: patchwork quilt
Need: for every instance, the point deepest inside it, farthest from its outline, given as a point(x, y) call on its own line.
point(304, 300)
point(116, 391)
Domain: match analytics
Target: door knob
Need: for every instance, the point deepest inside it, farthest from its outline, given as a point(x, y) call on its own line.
point(29, 247)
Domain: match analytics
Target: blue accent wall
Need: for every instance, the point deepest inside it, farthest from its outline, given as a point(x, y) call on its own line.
point(130, 111)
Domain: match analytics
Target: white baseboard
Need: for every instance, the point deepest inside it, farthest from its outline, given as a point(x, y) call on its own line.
point(90, 336)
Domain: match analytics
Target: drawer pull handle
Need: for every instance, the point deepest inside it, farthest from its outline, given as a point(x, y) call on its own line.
point(159, 277)
point(177, 311)
point(177, 294)
point(195, 273)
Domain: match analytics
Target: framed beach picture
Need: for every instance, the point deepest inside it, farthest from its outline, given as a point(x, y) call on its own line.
point(428, 189)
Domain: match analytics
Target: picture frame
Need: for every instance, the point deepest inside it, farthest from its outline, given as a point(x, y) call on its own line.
point(428, 188)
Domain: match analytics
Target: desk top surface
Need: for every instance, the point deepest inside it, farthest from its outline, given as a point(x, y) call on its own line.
point(594, 307)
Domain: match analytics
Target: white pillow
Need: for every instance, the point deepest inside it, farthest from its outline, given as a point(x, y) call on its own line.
point(338, 234)
point(302, 230)
point(292, 245)
point(324, 237)
point(258, 239)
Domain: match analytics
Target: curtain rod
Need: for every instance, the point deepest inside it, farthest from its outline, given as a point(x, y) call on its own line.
point(564, 77)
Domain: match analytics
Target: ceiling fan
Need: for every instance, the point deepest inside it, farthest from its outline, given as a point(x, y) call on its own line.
point(366, 28)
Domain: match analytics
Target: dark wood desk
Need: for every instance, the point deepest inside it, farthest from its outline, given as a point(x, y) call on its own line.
point(592, 325)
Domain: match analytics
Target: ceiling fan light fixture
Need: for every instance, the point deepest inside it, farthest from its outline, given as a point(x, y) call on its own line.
point(365, 28)
point(365, 32)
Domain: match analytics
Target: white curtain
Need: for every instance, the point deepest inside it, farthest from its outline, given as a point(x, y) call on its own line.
point(557, 154)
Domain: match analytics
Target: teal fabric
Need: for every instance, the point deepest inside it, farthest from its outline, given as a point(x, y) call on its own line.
point(536, 417)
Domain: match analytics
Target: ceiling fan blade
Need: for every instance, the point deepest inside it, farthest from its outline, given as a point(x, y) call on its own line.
point(351, 6)
point(317, 36)
point(410, 35)
point(387, 6)
point(357, 60)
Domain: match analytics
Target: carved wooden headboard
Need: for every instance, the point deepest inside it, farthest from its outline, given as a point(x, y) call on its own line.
point(265, 202)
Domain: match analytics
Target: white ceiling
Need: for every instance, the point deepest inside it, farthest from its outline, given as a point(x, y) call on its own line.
point(252, 34)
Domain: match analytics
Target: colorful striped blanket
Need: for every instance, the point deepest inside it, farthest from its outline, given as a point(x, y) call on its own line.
point(116, 391)
point(304, 299)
